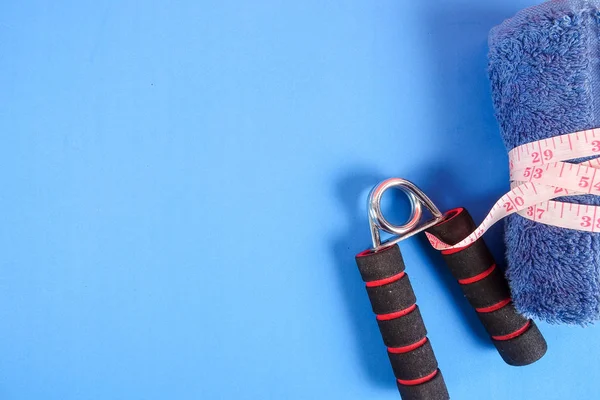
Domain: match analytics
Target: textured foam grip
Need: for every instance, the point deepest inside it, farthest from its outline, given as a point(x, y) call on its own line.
point(400, 332)
point(380, 265)
point(434, 389)
point(402, 328)
point(392, 297)
point(524, 349)
point(461, 265)
point(414, 364)
point(487, 291)
point(517, 339)
point(503, 321)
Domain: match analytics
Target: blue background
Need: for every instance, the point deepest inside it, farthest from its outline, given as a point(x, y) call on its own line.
point(183, 190)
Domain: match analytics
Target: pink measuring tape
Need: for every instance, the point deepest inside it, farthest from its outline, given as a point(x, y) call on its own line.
point(539, 172)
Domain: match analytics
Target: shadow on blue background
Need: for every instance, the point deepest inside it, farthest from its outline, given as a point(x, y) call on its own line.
point(368, 338)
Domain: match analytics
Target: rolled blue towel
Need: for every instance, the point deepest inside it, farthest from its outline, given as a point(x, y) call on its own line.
point(545, 76)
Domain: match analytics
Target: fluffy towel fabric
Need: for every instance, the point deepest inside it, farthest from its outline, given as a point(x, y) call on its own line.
point(544, 71)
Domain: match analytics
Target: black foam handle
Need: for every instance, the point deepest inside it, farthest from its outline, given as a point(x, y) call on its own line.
point(517, 339)
point(402, 329)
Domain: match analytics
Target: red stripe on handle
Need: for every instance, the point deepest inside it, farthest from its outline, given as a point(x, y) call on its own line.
point(419, 381)
point(494, 307)
point(397, 314)
point(477, 277)
point(365, 253)
point(452, 251)
point(406, 349)
point(513, 335)
point(385, 281)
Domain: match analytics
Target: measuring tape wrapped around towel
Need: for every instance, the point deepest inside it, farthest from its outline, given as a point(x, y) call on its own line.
point(539, 172)
point(544, 69)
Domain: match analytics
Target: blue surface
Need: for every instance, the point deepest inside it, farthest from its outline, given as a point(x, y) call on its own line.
point(183, 193)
